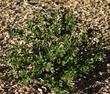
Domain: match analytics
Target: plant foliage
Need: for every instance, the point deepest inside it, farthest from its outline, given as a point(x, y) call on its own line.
point(50, 51)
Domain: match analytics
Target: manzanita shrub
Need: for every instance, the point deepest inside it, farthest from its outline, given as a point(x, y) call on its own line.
point(49, 49)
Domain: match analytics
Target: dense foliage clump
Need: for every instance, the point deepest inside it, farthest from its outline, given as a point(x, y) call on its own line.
point(52, 50)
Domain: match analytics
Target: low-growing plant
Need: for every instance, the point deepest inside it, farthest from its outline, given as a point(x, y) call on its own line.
point(50, 51)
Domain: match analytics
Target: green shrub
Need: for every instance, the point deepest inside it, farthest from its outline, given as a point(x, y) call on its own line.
point(52, 52)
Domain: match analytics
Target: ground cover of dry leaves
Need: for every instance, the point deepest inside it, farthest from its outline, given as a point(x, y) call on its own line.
point(93, 16)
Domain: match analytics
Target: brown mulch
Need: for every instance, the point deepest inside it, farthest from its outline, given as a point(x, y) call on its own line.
point(17, 88)
point(93, 16)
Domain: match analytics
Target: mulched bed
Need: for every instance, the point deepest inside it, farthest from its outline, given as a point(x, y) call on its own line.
point(15, 88)
point(93, 16)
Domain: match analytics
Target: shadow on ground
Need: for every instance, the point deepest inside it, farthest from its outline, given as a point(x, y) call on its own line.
point(88, 84)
